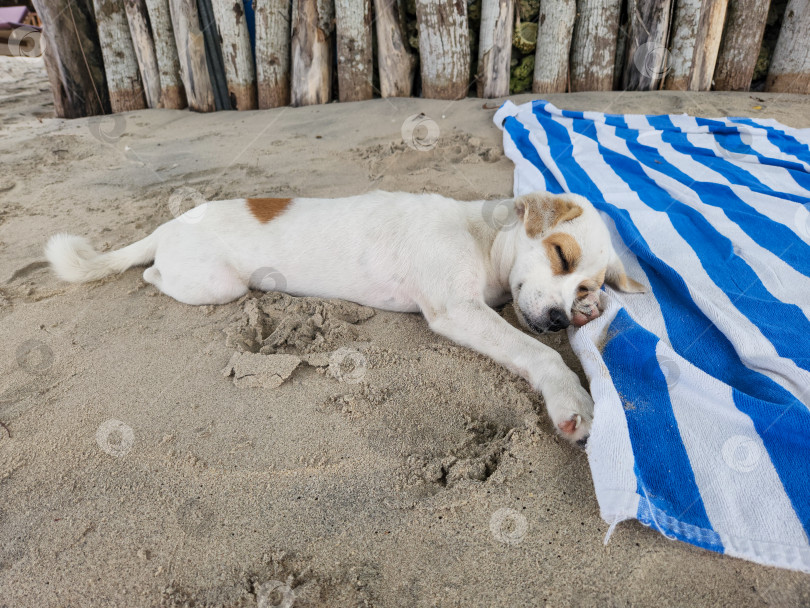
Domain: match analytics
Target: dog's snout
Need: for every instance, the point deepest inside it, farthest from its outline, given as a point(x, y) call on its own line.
point(558, 319)
point(553, 320)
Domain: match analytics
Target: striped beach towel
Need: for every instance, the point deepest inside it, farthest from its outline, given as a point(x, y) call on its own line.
point(702, 385)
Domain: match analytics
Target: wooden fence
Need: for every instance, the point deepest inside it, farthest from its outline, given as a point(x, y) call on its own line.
point(119, 55)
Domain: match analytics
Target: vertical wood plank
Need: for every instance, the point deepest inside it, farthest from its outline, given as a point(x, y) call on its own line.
point(593, 48)
point(790, 66)
point(647, 57)
point(237, 55)
point(273, 52)
point(682, 44)
point(355, 63)
point(394, 58)
point(739, 49)
point(76, 73)
point(191, 53)
point(707, 44)
point(141, 33)
point(444, 48)
point(120, 64)
point(555, 29)
point(311, 52)
point(495, 47)
point(172, 91)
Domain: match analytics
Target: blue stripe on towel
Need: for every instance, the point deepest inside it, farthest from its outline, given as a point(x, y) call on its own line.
point(666, 481)
point(520, 135)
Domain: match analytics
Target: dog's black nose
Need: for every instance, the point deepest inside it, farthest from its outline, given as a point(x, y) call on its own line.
point(558, 319)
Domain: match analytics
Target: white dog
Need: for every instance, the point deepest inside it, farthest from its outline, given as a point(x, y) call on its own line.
point(449, 259)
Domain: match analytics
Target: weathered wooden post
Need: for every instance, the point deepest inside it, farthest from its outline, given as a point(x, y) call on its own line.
point(355, 63)
point(790, 65)
point(707, 44)
point(237, 55)
point(394, 58)
point(647, 57)
point(739, 49)
point(120, 63)
point(495, 47)
point(273, 52)
point(172, 92)
point(554, 32)
point(139, 29)
point(311, 52)
point(682, 43)
point(191, 52)
point(73, 58)
point(444, 48)
point(593, 48)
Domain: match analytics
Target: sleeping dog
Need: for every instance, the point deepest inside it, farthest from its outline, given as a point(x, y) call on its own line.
point(450, 260)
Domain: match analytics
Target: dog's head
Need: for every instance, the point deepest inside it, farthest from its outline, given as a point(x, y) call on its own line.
point(563, 255)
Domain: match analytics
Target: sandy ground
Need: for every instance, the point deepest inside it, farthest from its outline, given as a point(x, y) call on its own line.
point(388, 467)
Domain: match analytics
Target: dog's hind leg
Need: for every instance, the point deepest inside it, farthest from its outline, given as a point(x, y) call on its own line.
point(218, 285)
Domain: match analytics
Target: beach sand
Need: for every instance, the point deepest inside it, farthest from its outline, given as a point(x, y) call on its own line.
point(359, 460)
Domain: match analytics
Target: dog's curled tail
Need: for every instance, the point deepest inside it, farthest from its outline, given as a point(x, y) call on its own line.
point(73, 259)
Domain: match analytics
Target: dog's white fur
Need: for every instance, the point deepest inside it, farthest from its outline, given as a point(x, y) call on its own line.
point(448, 259)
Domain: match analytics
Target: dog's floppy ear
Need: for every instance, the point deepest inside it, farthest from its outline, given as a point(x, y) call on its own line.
point(541, 211)
point(616, 277)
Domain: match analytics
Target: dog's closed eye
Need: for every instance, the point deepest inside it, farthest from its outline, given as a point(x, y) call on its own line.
point(566, 267)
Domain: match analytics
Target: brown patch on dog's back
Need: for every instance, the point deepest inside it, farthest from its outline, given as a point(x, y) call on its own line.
point(563, 252)
point(265, 209)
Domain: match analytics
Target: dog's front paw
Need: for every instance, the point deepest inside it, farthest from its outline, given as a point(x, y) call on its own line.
point(571, 412)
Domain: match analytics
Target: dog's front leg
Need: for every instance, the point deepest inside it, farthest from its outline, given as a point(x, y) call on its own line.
point(477, 326)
